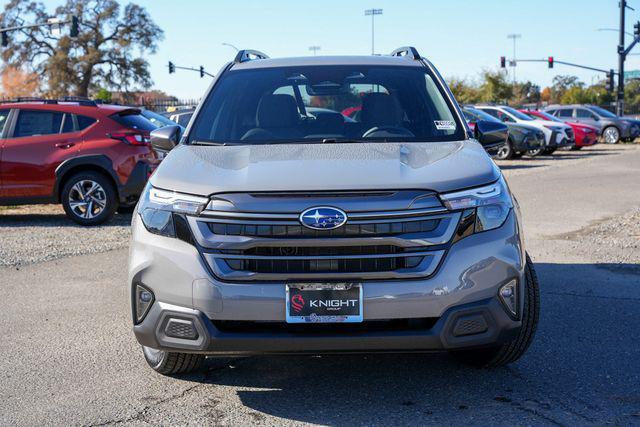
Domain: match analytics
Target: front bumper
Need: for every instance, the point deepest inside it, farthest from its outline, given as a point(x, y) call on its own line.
point(465, 283)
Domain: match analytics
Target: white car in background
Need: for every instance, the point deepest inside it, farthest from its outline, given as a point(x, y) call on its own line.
point(556, 135)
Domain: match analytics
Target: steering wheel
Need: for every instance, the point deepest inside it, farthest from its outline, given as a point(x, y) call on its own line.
point(382, 131)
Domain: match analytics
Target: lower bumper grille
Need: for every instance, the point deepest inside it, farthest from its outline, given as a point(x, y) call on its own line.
point(359, 265)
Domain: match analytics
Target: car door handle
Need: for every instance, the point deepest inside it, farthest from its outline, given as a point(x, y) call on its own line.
point(65, 145)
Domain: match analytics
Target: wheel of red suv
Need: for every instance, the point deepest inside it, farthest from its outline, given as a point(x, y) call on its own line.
point(505, 152)
point(89, 198)
point(611, 135)
point(510, 352)
point(169, 363)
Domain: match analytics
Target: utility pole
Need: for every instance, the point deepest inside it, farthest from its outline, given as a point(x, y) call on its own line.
point(621, 58)
point(314, 49)
point(513, 62)
point(372, 13)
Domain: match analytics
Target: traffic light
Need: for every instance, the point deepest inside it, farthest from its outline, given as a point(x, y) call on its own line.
point(201, 71)
point(550, 61)
point(609, 83)
point(172, 68)
point(5, 39)
point(636, 29)
point(503, 62)
point(73, 32)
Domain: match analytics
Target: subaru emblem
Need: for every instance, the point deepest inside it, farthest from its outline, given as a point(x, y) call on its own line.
point(323, 218)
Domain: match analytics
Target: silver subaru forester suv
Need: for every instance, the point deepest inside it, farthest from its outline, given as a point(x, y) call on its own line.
point(329, 204)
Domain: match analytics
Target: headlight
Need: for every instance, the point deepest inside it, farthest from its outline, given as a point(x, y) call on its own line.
point(491, 204)
point(162, 212)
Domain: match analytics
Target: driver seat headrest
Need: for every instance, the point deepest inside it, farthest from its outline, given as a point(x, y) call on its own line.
point(277, 111)
point(381, 109)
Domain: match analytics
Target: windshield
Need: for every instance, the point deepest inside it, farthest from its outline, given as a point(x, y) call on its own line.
point(602, 112)
point(326, 104)
point(157, 119)
point(546, 116)
point(479, 115)
point(516, 113)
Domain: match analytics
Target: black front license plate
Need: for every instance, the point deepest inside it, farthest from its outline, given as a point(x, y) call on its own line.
point(324, 303)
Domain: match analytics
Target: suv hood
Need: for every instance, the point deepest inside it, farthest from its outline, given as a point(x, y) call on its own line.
point(437, 166)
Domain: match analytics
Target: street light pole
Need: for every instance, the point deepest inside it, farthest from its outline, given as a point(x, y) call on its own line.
point(314, 49)
point(372, 13)
point(513, 64)
point(231, 46)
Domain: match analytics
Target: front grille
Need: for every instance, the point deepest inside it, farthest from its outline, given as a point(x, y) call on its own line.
point(250, 245)
point(297, 266)
point(570, 134)
point(348, 230)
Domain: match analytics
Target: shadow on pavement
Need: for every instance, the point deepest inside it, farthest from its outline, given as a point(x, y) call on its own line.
point(55, 220)
point(576, 371)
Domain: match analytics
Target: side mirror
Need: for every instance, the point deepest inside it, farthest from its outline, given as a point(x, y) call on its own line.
point(165, 138)
point(491, 134)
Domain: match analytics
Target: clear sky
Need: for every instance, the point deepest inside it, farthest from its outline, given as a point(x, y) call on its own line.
point(461, 37)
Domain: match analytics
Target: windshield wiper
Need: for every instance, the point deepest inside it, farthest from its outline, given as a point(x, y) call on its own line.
point(208, 143)
point(341, 141)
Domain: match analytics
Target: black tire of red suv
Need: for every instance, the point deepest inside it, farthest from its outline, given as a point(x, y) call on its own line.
point(493, 357)
point(110, 198)
point(170, 363)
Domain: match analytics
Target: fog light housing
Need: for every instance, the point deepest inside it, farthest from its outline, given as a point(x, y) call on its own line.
point(143, 302)
point(509, 296)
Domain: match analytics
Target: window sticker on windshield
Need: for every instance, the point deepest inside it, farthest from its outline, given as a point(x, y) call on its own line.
point(445, 124)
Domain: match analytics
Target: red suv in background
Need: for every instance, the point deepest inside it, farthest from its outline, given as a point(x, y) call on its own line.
point(585, 135)
point(91, 158)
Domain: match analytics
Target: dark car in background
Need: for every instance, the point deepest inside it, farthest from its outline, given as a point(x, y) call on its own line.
point(93, 159)
point(612, 128)
point(521, 138)
point(585, 135)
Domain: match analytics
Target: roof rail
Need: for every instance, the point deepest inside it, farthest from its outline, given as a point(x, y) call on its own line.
point(408, 51)
point(85, 102)
point(245, 55)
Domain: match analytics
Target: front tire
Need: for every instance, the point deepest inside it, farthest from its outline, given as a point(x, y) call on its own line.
point(534, 152)
point(170, 363)
point(504, 354)
point(89, 198)
point(505, 152)
point(611, 135)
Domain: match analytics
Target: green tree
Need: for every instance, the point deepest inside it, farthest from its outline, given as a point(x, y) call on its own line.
point(107, 53)
point(561, 84)
point(526, 93)
point(495, 87)
point(103, 95)
point(464, 92)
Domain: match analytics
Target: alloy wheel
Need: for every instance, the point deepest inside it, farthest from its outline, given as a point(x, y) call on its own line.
point(87, 199)
point(504, 152)
point(611, 135)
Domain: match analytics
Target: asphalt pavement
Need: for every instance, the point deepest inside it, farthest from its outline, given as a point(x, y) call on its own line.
point(68, 356)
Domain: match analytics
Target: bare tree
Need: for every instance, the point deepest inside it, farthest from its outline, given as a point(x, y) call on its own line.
point(109, 51)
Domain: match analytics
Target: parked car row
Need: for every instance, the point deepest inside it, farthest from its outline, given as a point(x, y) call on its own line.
point(612, 128)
